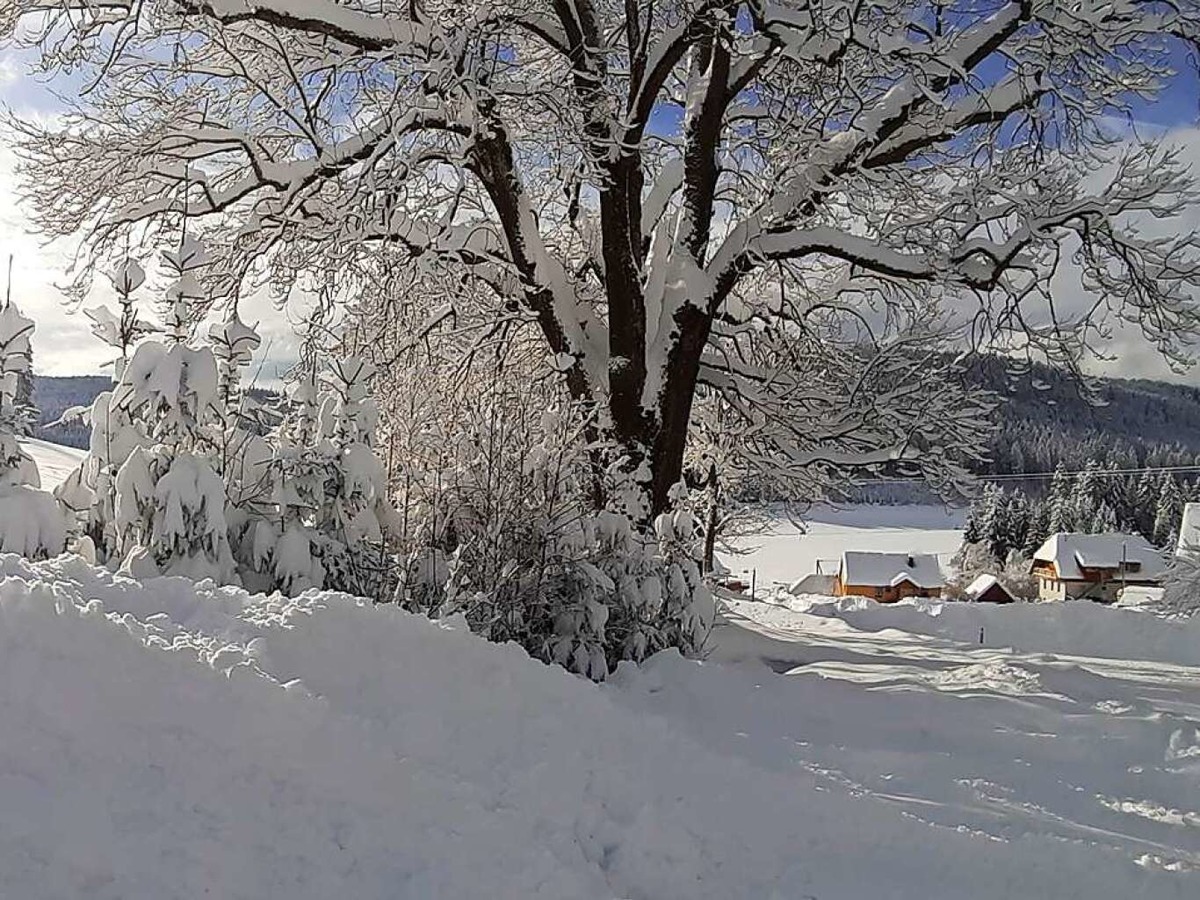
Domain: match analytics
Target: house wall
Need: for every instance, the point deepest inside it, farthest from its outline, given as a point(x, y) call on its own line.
point(994, 594)
point(1051, 587)
point(885, 593)
point(1093, 586)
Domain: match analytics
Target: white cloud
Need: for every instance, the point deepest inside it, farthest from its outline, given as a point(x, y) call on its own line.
point(1128, 354)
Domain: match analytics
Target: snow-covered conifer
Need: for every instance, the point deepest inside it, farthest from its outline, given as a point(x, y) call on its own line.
point(89, 493)
point(1168, 511)
point(30, 521)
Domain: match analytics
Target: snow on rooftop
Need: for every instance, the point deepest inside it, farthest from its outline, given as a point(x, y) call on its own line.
point(890, 569)
point(1070, 552)
point(981, 585)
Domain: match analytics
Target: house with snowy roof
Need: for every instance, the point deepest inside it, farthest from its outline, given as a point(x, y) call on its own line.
point(1072, 566)
point(988, 589)
point(888, 577)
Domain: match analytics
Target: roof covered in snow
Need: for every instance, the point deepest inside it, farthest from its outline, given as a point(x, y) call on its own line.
point(1071, 552)
point(890, 569)
point(815, 583)
point(982, 585)
point(1189, 531)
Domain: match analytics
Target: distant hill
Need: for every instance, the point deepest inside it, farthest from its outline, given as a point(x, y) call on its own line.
point(1045, 421)
point(55, 395)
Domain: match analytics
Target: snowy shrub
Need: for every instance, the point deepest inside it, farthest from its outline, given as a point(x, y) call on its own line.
point(30, 521)
point(170, 500)
point(329, 489)
point(1181, 595)
point(496, 524)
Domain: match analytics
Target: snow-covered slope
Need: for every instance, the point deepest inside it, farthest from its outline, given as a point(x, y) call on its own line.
point(54, 461)
point(179, 740)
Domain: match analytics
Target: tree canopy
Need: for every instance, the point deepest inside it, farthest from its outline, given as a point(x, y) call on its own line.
point(681, 195)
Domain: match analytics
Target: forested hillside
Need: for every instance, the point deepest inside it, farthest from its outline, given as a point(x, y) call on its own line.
point(54, 396)
point(1045, 421)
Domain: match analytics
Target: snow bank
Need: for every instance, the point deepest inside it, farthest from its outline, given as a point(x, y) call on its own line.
point(175, 740)
point(31, 523)
point(1070, 628)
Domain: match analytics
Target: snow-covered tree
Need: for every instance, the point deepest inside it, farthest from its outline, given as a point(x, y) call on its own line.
point(30, 522)
point(1167, 511)
point(1061, 501)
point(88, 494)
point(16, 467)
point(356, 511)
point(1086, 497)
point(1145, 503)
point(654, 187)
point(170, 501)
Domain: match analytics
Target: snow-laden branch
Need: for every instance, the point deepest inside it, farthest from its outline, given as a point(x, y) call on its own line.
point(648, 183)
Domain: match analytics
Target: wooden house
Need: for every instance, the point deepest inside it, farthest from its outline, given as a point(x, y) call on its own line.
point(1070, 566)
point(987, 589)
point(888, 577)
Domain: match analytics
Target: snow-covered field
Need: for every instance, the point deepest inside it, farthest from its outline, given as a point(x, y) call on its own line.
point(54, 461)
point(1074, 723)
point(172, 740)
point(787, 552)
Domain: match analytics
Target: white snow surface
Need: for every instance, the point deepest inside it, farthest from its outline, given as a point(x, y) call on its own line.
point(166, 739)
point(54, 461)
point(1073, 722)
point(787, 552)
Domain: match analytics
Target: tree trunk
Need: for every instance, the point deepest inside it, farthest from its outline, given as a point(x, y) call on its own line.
point(675, 405)
point(711, 518)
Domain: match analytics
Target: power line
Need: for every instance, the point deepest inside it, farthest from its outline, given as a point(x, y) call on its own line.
point(1035, 476)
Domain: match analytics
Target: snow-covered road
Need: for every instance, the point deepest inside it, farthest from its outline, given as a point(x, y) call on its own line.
point(54, 461)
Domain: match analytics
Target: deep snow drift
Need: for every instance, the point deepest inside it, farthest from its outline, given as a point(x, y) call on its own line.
point(174, 740)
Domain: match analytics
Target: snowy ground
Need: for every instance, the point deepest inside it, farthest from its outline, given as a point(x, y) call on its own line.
point(54, 461)
point(1072, 722)
point(170, 740)
point(787, 552)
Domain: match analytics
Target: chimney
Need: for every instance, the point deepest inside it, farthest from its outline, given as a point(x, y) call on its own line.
point(911, 562)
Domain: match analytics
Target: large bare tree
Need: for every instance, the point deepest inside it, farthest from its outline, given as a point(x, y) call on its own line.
point(661, 186)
